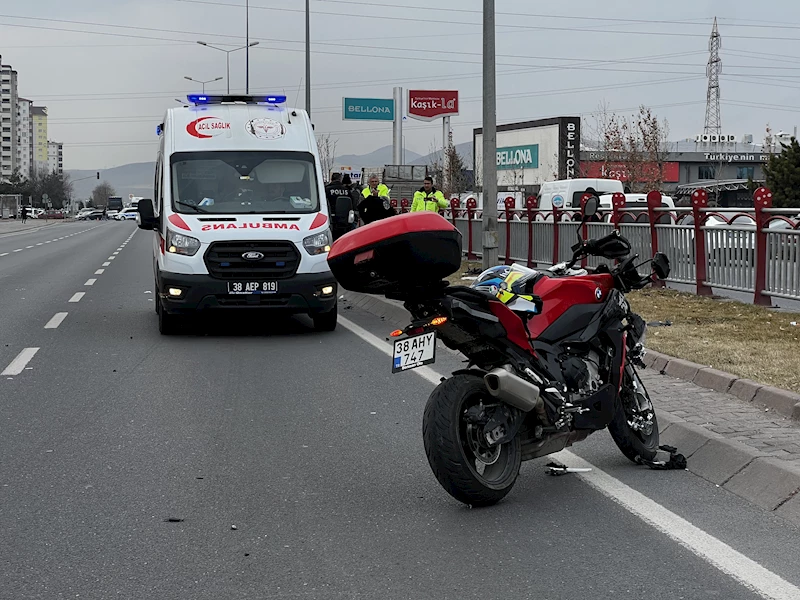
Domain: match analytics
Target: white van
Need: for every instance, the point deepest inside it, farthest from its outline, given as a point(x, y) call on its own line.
point(565, 194)
point(239, 212)
point(639, 201)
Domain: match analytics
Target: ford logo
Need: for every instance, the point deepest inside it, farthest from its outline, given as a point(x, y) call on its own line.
point(252, 256)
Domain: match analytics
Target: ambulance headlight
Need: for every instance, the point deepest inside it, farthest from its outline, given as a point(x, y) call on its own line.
point(319, 243)
point(177, 243)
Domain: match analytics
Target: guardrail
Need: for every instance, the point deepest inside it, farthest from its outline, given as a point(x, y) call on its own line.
point(747, 250)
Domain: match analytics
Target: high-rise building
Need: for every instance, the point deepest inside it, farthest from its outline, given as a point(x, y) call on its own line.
point(8, 120)
point(39, 139)
point(24, 138)
point(55, 157)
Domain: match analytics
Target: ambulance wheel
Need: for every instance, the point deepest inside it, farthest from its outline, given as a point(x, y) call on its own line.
point(168, 324)
point(326, 321)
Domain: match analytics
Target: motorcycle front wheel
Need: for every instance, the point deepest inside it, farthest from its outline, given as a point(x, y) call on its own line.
point(634, 441)
point(465, 468)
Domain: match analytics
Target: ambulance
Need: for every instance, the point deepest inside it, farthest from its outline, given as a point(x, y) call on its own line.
point(239, 212)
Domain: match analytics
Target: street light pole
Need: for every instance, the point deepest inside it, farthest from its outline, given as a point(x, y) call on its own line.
point(203, 83)
point(228, 57)
point(308, 58)
point(489, 139)
point(247, 51)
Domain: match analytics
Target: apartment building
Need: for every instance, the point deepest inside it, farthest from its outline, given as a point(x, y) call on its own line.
point(8, 120)
point(39, 139)
point(55, 157)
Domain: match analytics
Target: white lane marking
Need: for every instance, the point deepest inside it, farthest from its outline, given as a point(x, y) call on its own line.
point(90, 282)
point(19, 250)
point(28, 247)
point(111, 257)
point(18, 365)
point(57, 319)
point(39, 244)
point(99, 271)
point(48, 241)
point(76, 297)
point(115, 253)
point(746, 571)
point(4, 254)
point(106, 264)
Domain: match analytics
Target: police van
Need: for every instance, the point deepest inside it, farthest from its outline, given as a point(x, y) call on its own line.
point(239, 212)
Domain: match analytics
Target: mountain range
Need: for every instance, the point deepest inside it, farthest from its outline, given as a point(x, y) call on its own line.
point(137, 178)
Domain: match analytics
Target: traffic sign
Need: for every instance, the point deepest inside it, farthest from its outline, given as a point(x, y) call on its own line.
point(368, 109)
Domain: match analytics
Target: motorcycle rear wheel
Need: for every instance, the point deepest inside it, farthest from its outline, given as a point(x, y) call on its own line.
point(633, 443)
point(474, 477)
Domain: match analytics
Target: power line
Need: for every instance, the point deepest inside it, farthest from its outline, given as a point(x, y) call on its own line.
point(473, 24)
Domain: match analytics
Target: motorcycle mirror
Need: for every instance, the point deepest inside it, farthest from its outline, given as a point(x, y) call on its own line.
point(661, 265)
point(591, 207)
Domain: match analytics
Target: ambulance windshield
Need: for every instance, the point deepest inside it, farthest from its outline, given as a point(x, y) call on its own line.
point(244, 182)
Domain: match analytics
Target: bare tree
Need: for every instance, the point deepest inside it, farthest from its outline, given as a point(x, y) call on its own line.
point(633, 148)
point(456, 181)
point(101, 193)
point(327, 154)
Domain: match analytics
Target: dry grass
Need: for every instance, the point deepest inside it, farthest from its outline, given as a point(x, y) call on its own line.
point(743, 339)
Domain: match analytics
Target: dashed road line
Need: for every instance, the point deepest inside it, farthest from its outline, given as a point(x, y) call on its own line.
point(90, 282)
point(99, 271)
point(106, 264)
point(57, 319)
point(4, 254)
point(19, 250)
point(18, 365)
point(76, 297)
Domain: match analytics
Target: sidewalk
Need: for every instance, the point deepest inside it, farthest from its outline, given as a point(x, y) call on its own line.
point(740, 445)
point(16, 225)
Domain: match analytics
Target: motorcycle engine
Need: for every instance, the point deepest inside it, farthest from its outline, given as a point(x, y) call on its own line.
point(582, 373)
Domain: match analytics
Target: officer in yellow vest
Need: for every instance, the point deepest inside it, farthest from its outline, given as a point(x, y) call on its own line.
point(375, 189)
point(428, 198)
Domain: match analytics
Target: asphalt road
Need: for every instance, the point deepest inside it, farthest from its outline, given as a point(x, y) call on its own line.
point(312, 450)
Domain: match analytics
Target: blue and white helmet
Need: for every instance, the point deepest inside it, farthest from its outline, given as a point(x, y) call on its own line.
point(492, 279)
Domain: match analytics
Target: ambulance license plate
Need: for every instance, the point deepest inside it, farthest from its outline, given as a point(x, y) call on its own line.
point(414, 351)
point(252, 287)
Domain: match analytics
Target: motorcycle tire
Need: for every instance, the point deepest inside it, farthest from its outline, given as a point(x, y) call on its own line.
point(446, 436)
point(632, 443)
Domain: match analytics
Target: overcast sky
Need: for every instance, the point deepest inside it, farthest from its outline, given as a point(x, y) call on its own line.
point(107, 69)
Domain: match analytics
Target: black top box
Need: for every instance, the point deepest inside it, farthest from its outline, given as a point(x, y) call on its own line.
point(411, 250)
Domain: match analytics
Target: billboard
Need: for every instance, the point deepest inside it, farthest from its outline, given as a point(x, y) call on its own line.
point(532, 152)
point(368, 109)
point(427, 105)
point(609, 170)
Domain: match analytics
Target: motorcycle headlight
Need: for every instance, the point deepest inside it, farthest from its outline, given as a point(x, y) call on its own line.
point(318, 243)
point(177, 243)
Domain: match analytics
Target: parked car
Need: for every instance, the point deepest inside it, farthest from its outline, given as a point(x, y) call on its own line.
point(93, 215)
point(128, 214)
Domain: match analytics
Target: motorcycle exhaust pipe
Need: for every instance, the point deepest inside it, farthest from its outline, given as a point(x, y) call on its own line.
point(513, 390)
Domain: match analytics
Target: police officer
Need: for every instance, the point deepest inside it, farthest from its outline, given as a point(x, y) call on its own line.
point(428, 198)
point(342, 202)
point(374, 188)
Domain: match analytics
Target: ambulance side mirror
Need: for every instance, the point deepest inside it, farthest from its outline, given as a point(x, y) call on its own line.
point(146, 219)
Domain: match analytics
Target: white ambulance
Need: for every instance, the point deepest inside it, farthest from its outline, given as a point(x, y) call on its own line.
point(239, 212)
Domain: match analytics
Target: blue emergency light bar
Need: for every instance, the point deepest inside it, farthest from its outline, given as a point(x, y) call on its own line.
point(217, 99)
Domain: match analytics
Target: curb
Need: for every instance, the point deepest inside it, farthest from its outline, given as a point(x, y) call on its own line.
point(769, 483)
point(48, 224)
point(781, 401)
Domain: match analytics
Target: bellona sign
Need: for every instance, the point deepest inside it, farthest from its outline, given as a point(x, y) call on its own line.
point(368, 109)
point(518, 157)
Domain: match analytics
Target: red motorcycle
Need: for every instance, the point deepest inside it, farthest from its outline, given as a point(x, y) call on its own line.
point(551, 359)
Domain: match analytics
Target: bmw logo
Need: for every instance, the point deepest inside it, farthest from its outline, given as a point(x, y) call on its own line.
point(252, 256)
point(598, 293)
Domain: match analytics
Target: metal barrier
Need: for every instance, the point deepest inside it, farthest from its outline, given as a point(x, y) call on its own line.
point(754, 250)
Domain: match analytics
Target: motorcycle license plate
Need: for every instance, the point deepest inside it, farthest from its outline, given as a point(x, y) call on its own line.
point(414, 351)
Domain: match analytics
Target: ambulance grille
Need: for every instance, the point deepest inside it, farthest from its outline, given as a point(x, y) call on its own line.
point(224, 260)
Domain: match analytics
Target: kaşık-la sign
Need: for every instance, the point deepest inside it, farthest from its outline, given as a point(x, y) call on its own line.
point(427, 105)
point(518, 157)
point(368, 109)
